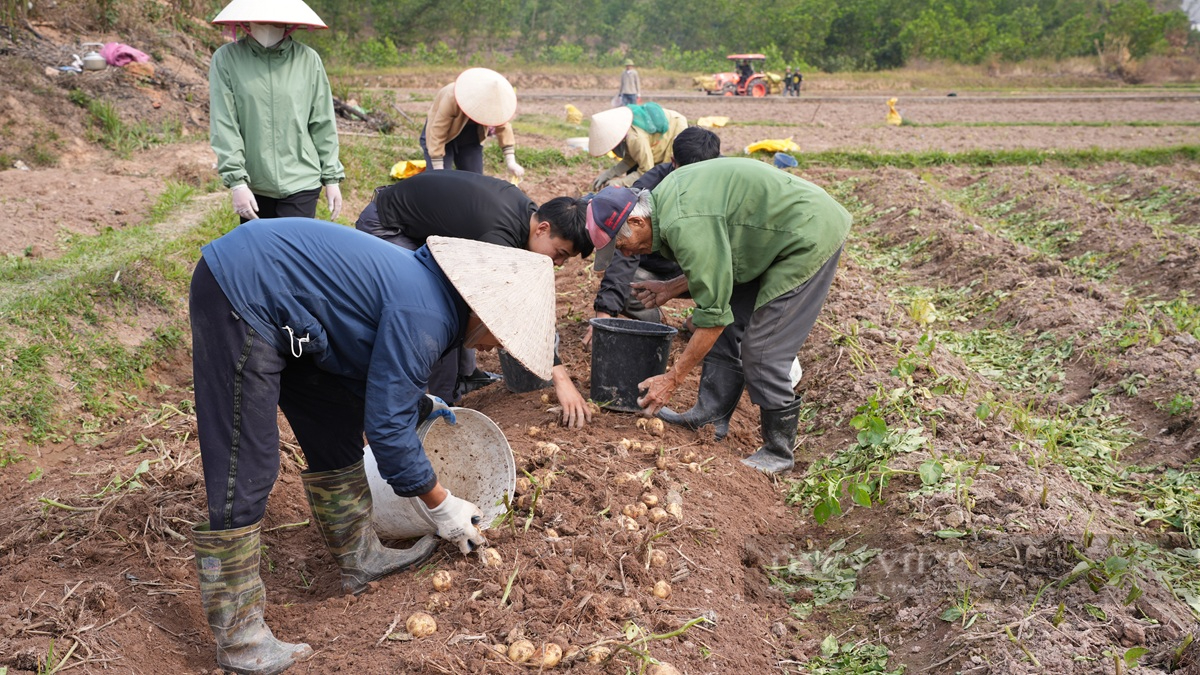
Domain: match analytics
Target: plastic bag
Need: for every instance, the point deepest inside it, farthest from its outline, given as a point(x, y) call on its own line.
point(407, 168)
point(773, 145)
point(712, 121)
point(893, 117)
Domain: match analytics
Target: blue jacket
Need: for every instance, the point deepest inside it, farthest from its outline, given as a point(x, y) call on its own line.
point(375, 314)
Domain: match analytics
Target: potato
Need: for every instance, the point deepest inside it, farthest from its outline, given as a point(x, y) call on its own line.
point(548, 449)
point(420, 625)
point(548, 477)
point(628, 607)
point(662, 590)
point(694, 467)
point(662, 669)
point(658, 558)
point(598, 654)
point(551, 533)
point(545, 398)
point(533, 431)
point(491, 558)
point(657, 515)
point(650, 499)
point(437, 602)
point(635, 510)
point(641, 423)
point(656, 427)
point(661, 463)
point(524, 485)
point(442, 581)
point(635, 445)
point(500, 649)
point(689, 456)
point(520, 651)
point(548, 656)
point(675, 510)
point(627, 523)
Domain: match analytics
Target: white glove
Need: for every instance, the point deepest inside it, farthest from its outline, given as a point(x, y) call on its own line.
point(435, 163)
point(456, 520)
point(244, 203)
point(333, 192)
point(510, 160)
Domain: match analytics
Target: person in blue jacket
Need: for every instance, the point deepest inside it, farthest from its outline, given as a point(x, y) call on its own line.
point(340, 330)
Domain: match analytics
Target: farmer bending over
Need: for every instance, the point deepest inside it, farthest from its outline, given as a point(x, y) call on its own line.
point(758, 248)
point(471, 206)
point(340, 330)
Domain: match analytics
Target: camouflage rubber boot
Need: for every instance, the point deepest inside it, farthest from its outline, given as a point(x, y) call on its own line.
point(779, 428)
point(233, 597)
point(721, 384)
point(341, 503)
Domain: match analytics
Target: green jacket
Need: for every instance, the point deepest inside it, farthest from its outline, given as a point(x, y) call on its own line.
point(271, 119)
point(730, 221)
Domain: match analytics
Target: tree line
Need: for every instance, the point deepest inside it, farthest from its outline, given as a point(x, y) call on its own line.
point(697, 34)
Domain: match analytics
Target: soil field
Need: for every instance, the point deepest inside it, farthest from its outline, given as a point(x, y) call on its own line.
point(997, 465)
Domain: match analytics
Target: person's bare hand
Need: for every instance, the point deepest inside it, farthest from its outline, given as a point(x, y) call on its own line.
point(651, 293)
point(575, 410)
point(587, 335)
point(659, 390)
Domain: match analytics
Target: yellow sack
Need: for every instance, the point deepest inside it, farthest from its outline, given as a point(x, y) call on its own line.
point(574, 115)
point(893, 117)
point(407, 168)
point(712, 121)
point(773, 145)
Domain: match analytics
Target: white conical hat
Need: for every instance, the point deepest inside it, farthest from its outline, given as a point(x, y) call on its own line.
point(485, 96)
point(608, 129)
point(293, 12)
point(512, 291)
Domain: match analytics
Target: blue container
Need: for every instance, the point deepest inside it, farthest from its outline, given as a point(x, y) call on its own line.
point(784, 160)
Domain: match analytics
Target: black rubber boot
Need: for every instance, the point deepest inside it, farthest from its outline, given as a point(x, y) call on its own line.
point(779, 428)
point(721, 383)
point(475, 381)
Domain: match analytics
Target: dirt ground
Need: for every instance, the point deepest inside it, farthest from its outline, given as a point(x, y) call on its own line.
point(97, 579)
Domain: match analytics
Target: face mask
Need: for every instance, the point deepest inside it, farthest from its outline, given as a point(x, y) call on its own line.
point(267, 34)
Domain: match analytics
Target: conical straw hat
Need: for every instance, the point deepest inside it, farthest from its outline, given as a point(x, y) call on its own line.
point(293, 12)
point(608, 129)
point(512, 291)
point(485, 96)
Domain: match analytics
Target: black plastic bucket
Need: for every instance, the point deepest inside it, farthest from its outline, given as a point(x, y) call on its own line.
point(625, 352)
point(517, 377)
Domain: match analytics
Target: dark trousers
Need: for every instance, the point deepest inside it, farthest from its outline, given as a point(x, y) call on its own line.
point(240, 381)
point(299, 205)
point(629, 99)
point(768, 339)
point(464, 153)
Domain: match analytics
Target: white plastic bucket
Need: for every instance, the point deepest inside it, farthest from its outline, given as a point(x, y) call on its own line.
point(472, 459)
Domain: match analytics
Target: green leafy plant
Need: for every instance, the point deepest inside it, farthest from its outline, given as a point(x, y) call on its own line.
point(831, 575)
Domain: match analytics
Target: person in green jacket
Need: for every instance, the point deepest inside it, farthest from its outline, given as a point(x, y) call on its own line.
point(271, 120)
point(759, 248)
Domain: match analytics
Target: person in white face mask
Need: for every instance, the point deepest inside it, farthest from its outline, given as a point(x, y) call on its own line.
point(275, 149)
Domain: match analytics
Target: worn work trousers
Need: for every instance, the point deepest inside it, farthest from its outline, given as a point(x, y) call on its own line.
point(240, 380)
point(464, 153)
point(299, 205)
point(767, 340)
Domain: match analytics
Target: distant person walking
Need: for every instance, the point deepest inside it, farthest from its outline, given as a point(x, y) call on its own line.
point(787, 82)
point(271, 114)
point(796, 78)
point(631, 85)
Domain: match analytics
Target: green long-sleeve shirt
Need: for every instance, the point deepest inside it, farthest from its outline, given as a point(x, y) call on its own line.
point(271, 120)
point(729, 221)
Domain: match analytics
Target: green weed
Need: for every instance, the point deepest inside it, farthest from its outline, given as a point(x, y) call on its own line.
point(831, 575)
point(850, 658)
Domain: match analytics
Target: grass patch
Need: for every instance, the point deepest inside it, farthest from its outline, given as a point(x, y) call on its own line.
point(1067, 158)
point(110, 131)
point(58, 315)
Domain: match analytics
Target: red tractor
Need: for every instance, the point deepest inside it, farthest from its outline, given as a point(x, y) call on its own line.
point(744, 81)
